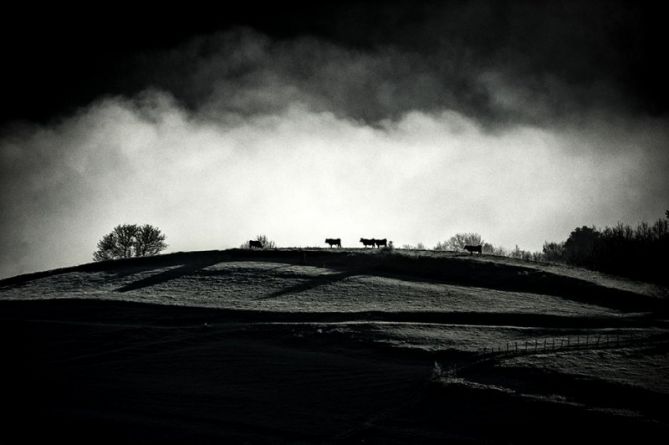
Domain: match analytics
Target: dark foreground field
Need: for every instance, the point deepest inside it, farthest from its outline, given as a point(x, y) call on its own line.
point(336, 347)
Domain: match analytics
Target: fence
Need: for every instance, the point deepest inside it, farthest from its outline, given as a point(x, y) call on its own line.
point(564, 343)
point(555, 345)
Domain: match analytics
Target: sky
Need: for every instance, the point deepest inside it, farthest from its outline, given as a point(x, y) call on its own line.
point(410, 121)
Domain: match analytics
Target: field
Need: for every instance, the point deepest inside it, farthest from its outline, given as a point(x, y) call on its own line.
point(335, 346)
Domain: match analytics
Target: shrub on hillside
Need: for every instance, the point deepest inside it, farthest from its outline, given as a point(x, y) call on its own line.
point(419, 246)
point(554, 252)
point(525, 255)
point(266, 243)
point(459, 241)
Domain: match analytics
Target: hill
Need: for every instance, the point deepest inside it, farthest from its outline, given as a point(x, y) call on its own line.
point(314, 345)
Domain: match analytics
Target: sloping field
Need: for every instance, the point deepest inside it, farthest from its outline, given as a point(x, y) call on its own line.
point(310, 345)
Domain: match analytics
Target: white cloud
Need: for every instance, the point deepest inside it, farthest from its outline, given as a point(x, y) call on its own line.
point(299, 176)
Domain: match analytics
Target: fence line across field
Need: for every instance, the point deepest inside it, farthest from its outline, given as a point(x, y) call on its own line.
point(554, 344)
point(548, 344)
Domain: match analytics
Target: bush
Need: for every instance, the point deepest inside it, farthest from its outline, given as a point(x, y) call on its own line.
point(266, 243)
point(419, 246)
point(459, 241)
point(554, 252)
point(130, 240)
point(521, 254)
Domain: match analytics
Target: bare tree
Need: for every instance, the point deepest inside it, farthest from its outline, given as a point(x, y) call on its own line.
point(108, 248)
point(149, 241)
point(266, 243)
point(125, 236)
point(459, 241)
point(128, 240)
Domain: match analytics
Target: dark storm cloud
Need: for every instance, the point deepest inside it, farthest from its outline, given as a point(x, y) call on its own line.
point(497, 62)
point(564, 57)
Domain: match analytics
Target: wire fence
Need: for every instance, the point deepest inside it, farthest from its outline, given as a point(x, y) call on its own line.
point(564, 343)
point(546, 345)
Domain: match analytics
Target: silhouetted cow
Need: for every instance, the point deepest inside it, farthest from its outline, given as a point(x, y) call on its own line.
point(253, 244)
point(333, 241)
point(367, 241)
point(381, 242)
point(472, 249)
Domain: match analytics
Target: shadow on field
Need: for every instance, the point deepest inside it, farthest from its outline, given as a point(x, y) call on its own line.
point(314, 282)
point(148, 314)
point(167, 275)
point(577, 389)
point(461, 413)
point(121, 372)
point(119, 275)
point(108, 383)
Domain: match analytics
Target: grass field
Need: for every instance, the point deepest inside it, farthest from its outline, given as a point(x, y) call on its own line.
point(342, 346)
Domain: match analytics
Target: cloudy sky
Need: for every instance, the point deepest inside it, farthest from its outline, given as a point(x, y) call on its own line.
point(411, 121)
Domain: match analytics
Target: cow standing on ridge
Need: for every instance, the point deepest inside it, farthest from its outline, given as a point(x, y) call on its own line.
point(381, 242)
point(253, 243)
point(333, 242)
point(471, 249)
point(367, 242)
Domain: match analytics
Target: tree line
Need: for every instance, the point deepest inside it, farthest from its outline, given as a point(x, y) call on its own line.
point(636, 252)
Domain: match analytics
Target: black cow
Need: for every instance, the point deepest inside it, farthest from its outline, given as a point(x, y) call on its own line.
point(381, 242)
point(367, 241)
point(471, 249)
point(253, 244)
point(333, 241)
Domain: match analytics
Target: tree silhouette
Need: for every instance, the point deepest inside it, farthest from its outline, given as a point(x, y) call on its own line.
point(554, 251)
point(459, 241)
point(149, 241)
point(128, 240)
point(580, 246)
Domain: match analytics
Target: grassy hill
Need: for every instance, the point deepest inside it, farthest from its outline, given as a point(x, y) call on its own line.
point(319, 345)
